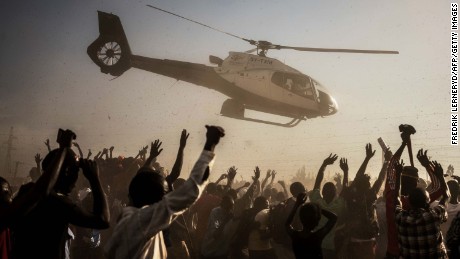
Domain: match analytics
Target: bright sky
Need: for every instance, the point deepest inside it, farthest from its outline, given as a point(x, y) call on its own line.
point(47, 80)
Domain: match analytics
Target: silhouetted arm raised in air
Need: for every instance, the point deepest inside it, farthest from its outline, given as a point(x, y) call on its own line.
point(319, 178)
point(175, 171)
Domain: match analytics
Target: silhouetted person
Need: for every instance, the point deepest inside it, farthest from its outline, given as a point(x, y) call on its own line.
point(419, 232)
point(43, 232)
point(138, 233)
point(306, 243)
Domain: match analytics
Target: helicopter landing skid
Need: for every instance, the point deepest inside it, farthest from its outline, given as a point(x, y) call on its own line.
point(294, 122)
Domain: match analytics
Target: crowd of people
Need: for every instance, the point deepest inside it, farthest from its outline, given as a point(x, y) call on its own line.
point(134, 208)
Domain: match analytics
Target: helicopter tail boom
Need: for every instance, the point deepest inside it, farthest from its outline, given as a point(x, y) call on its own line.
point(110, 51)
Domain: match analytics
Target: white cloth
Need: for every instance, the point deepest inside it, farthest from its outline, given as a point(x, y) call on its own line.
point(138, 233)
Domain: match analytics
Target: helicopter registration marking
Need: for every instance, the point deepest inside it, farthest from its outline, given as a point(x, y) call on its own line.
point(260, 61)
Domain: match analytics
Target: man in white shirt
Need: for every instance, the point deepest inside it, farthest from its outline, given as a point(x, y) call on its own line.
point(138, 233)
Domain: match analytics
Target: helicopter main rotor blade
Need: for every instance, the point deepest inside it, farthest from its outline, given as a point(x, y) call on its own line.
point(253, 42)
point(363, 51)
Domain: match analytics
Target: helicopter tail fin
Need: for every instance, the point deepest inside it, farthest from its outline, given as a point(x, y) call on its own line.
point(110, 51)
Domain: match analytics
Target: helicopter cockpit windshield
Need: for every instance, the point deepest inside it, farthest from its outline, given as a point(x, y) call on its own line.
point(298, 84)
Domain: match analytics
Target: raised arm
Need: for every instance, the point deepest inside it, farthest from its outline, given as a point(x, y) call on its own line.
point(80, 153)
point(331, 220)
point(438, 171)
point(175, 171)
point(38, 159)
point(398, 167)
point(434, 190)
point(111, 151)
point(301, 198)
point(231, 173)
point(22, 204)
point(319, 178)
point(264, 181)
point(222, 177)
point(378, 183)
point(155, 151)
point(47, 144)
point(99, 218)
point(344, 167)
point(283, 184)
point(89, 154)
point(369, 155)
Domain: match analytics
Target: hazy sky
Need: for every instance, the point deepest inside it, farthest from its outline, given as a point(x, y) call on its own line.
point(47, 81)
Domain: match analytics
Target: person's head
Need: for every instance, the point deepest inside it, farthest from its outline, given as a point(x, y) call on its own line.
point(454, 189)
point(296, 188)
point(147, 187)
point(211, 188)
point(68, 175)
point(419, 198)
point(409, 180)
point(310, 214)
point(260, 203)
point(227, 204)
point(362, 183)
point(329, 192)
point(280, 196)
point(6, 194)
point(267, 193)
point(34, 174)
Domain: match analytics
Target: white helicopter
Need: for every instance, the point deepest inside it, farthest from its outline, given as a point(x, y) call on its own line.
point(253, 82)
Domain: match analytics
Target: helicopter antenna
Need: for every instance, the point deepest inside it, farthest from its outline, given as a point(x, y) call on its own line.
point(202, 24)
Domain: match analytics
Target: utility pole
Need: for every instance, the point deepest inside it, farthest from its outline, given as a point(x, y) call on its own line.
point(9, 148)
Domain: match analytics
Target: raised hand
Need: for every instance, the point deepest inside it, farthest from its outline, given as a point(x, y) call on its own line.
point(47, 144)
point(273, 174)
point(344, 164)
point(111, 148)
point(369, 152)
point(214, 133)
point(438, 171)
point(268, 174)
point(256, 174)
point(90, 169)
point(388, 155)
point(155, 148)
point(330, 159)
point(105, 151)
point(183, 138)
point(231, 172)
point(38, 159)
point(423, 158)
point(76, 144)
point(89, 154)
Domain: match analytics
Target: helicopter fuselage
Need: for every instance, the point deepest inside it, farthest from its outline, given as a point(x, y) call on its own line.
point(259, 83)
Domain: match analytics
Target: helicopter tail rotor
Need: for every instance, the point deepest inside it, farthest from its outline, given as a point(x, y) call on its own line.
point(110, 51)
